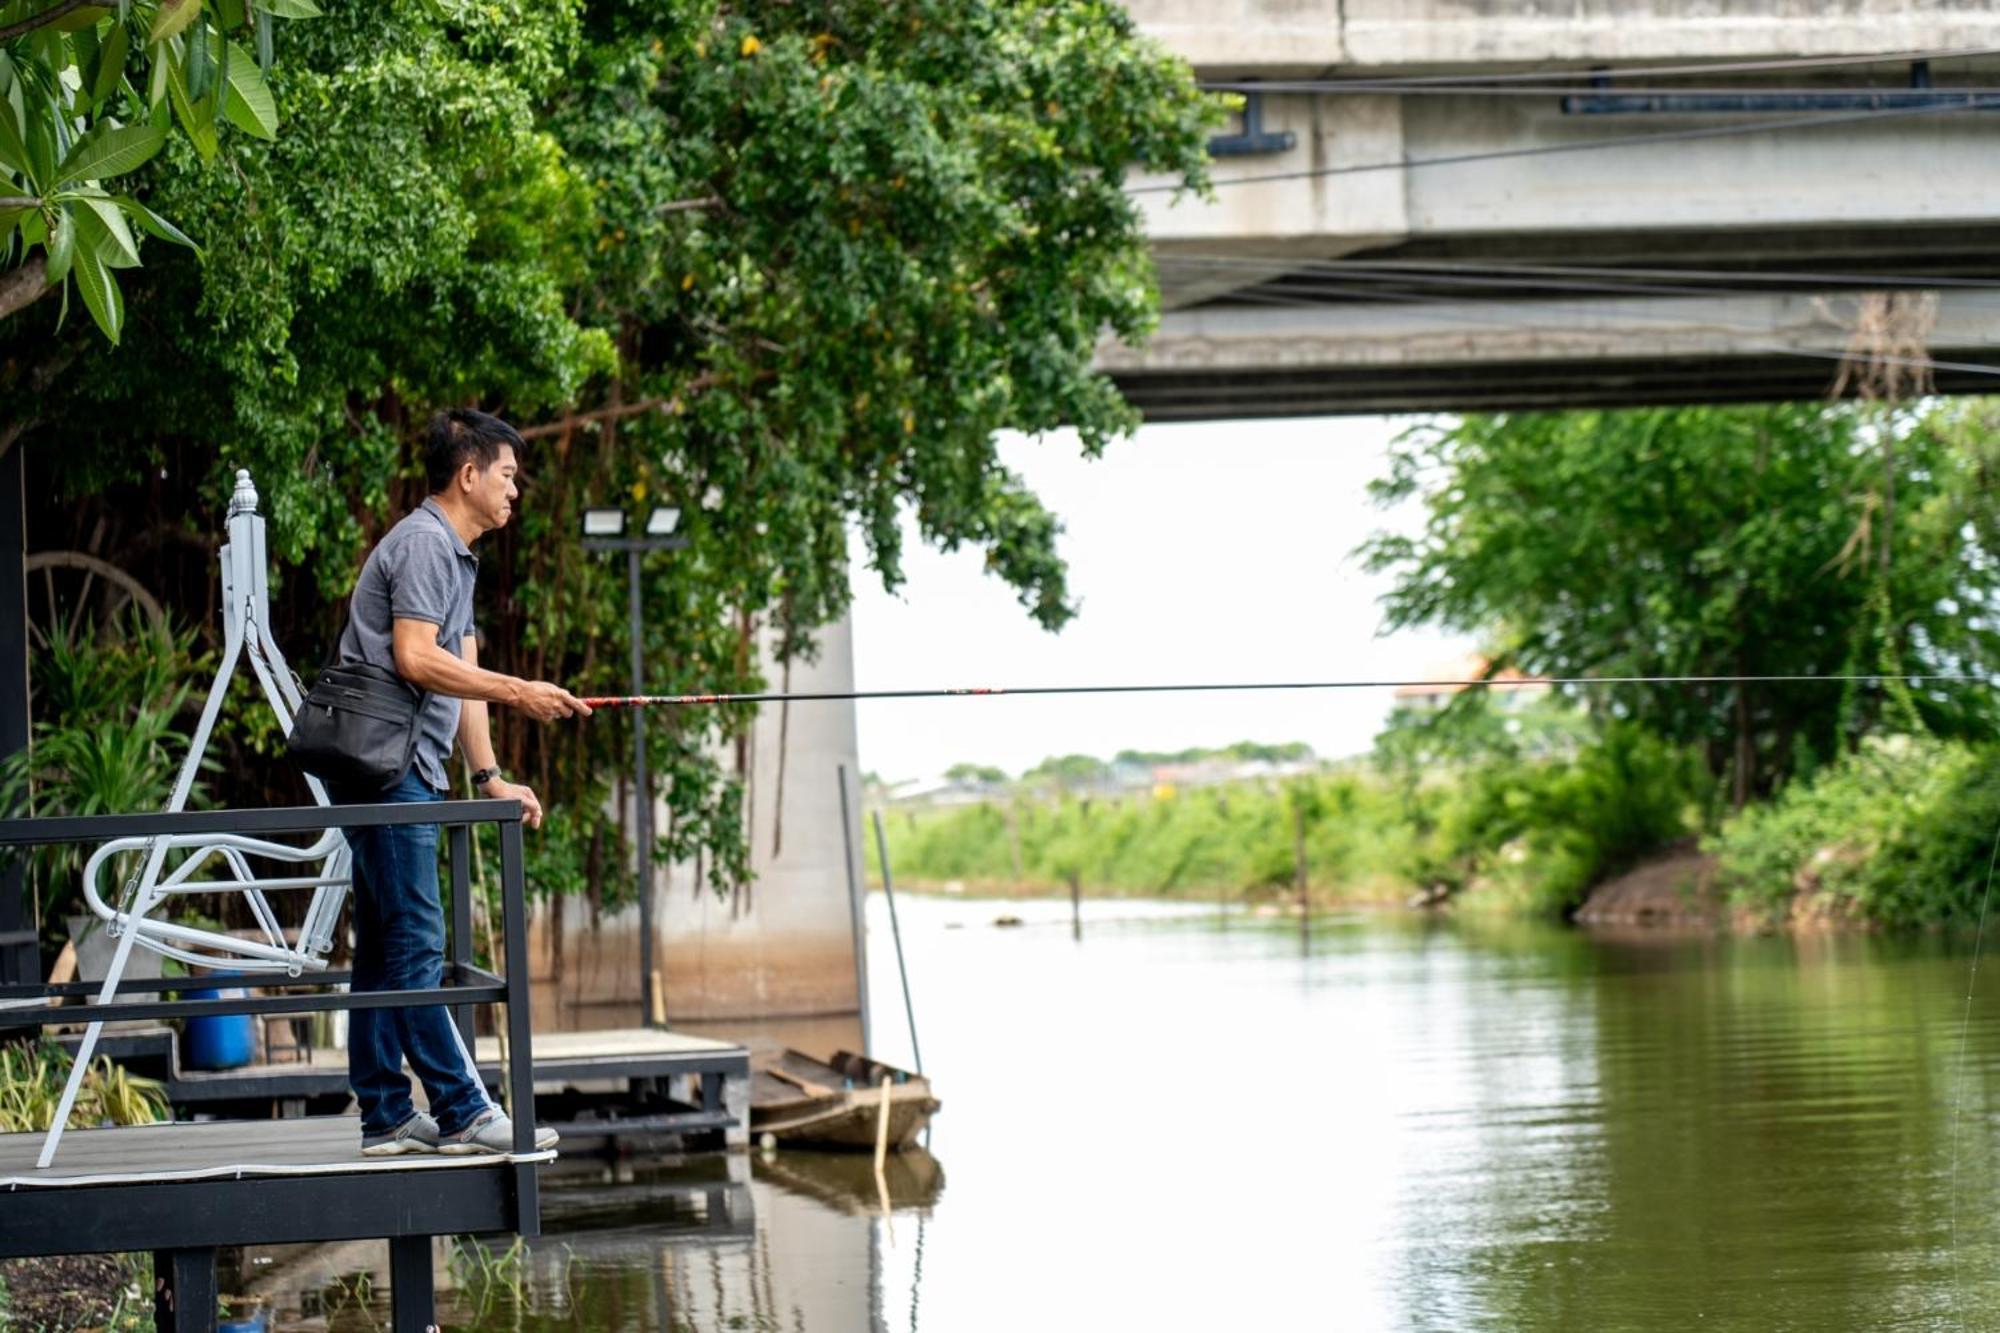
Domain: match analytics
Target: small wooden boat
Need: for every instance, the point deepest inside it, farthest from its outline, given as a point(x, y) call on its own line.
point(845, 1181)
point(838, 1103)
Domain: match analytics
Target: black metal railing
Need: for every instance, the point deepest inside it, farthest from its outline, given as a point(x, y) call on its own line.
point(466, 985)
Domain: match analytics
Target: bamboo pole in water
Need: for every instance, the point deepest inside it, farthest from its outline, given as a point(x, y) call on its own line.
point(896, 931)
point(1299, 873)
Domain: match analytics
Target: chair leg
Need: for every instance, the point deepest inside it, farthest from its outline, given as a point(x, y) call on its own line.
point(88, 1049)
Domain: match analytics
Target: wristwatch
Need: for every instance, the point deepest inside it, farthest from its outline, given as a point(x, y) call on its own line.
point(484, 776)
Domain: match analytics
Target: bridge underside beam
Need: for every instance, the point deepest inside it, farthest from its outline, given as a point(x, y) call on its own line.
point(1233, 362)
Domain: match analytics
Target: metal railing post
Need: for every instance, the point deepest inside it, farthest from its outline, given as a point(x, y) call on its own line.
point(520, 1055)
point(459, 950)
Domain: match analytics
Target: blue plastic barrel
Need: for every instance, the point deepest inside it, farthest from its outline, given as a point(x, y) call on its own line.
point(218, 1041)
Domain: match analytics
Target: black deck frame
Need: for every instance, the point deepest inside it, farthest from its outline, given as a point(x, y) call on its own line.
point(183, 1221)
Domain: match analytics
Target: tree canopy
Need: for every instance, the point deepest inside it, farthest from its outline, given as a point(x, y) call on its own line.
point(789, 266)
point(88, 94)
point(1712, 541)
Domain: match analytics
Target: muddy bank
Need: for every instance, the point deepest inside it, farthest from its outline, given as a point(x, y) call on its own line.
point(1675, 888)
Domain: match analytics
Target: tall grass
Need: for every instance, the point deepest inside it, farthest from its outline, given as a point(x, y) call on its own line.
point(1531, 835)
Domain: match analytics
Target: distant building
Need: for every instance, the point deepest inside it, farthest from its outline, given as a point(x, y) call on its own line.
point(1511, 690)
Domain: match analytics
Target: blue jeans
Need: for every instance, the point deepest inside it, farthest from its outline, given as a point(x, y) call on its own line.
point(399, 945)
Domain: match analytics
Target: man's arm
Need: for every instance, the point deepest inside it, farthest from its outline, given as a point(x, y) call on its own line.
point(420, 661)
point(475, 738)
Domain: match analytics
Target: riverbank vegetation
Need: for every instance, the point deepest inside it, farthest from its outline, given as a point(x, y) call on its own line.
point(1841, 558)
point(1531, 831)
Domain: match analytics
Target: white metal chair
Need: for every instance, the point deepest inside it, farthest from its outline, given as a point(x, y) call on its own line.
point(219, 863)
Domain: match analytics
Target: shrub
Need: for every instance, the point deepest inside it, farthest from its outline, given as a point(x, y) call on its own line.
point(1903, 829)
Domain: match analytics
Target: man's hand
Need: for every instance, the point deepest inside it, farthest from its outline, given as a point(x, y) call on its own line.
point(545, 702)
point(531, 806)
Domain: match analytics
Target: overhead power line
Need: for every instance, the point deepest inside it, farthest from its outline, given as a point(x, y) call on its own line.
point(1393, 268)
point(1771, 125)
point(1630, 72)
point(1520, 318)
point(1338, 87)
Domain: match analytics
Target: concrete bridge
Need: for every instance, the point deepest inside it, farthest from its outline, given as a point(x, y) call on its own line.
point(1586, 231)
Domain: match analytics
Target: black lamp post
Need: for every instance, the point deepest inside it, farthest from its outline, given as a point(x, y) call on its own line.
point(604, 530)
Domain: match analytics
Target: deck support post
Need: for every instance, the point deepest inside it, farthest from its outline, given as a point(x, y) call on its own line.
point(411, 1283)
point(184, 1291)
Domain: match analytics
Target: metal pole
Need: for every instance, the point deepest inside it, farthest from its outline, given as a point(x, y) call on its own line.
point(459, 938)
point(642, 800)
point(19, 963)
point(889, 891)
point(520, 1025)
point(857, 911)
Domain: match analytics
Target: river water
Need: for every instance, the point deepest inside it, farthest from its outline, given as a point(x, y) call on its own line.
point(1190, 1120)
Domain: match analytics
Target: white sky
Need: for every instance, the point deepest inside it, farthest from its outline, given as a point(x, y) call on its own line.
point(1201, 552)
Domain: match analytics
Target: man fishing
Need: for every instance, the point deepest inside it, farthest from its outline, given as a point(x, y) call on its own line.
point(411, 612)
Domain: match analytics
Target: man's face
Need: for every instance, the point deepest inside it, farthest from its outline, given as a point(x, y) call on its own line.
point(493, 492)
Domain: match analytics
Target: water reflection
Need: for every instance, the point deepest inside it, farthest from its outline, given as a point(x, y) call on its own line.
point(1179, 1122)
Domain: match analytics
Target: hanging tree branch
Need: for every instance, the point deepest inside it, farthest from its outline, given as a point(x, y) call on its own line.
point(41, 20)
point(618, 412)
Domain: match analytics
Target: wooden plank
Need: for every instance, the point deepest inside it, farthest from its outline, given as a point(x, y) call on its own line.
point(618, 1042)
point(314, 1145)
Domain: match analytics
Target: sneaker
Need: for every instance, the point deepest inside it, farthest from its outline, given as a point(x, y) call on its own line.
point(491, 1132)
point(417, 1134)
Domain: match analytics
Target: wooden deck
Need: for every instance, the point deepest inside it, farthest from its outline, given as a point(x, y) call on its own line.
point(190, 1187)
point(215, 1149)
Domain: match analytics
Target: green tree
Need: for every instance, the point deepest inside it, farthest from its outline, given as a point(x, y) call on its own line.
point(1705, 542)
point(88, 93)
point(968, 772)
point(791, 266)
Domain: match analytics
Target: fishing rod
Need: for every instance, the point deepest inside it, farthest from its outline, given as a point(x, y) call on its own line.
point(1510, 683)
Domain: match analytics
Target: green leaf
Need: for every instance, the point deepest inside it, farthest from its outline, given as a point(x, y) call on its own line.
point(103, 230)
point(153, 223)
point(111, 153)
point(200, 65)
point(62, 246)
point(110, 65)
point(173, 16)
point(84, 45)
point(197, 118)
point(100, 293)
point(289, 9)
point(8, 217)
point(248, 102)
point(156, 78)
point(263, 41)
point(78, 19)
point(13, 152)
point(231, 13)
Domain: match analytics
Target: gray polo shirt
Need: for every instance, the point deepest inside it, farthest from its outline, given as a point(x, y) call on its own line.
point(420, 570)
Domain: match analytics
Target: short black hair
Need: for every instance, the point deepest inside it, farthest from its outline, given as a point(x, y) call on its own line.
point(460, 435)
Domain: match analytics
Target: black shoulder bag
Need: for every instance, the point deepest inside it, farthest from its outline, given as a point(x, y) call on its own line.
point(358, 727)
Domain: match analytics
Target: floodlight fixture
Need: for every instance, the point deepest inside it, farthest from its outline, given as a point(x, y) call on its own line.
point(662, 521)
point(603, 522)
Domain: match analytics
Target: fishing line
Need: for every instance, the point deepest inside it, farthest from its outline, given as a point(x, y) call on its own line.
point(1203, 687)
point(1958, 1075)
